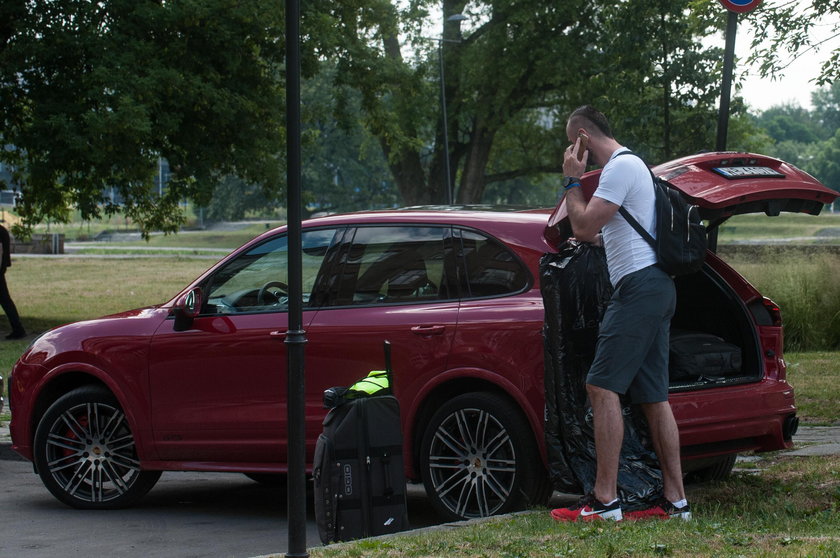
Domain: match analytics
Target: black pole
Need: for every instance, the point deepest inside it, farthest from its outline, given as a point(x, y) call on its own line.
point(447, 177)
point(725, 92)
point(726, 88)
point(295, 336)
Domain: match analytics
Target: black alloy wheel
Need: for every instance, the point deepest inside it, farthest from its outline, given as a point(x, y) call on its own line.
point(85, 452)
point(478, 458)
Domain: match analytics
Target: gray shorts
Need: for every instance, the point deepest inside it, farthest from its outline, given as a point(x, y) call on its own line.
point(632, 352)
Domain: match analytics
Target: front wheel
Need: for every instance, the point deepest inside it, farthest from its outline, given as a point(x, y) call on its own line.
point(478, 458)
point(85, 453)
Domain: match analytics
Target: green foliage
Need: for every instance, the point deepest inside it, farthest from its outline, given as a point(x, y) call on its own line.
point(91, 94)
point(809, 139)
point(825, 162)
point(784, 31)
point(513, 71)
point(826, 101)
point(234, 199)
point(344, 168)
point(805, 287)
point(789, 122)
point(655, 81)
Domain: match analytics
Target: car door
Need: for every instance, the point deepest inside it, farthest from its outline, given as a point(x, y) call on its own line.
point(394, 283)
point(218, 389)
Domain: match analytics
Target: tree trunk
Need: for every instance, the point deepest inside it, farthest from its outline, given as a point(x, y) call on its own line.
point(471, 187)
point(409, 176)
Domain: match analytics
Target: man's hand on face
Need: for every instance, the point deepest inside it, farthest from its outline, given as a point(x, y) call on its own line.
point(571, 165)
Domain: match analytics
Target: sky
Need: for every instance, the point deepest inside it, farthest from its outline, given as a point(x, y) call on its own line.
point(795, 85)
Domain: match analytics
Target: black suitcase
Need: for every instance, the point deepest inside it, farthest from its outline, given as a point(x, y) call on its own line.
point(694, 355)
point(358, 469)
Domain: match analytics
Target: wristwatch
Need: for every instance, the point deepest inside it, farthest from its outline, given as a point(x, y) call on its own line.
point(569, 180)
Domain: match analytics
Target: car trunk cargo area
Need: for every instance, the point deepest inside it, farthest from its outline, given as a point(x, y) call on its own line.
point(713, 339)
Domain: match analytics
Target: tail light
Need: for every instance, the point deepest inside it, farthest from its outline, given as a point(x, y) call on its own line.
point(774, 311)
point(765, 312)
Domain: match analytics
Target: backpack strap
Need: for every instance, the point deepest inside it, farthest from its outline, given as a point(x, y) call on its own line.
point(632, 220)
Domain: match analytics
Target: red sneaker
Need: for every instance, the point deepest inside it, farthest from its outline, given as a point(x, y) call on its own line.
point(663, 509)
point(589, 508)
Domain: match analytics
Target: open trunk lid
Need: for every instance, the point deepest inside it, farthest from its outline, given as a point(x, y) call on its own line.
point(723, 184)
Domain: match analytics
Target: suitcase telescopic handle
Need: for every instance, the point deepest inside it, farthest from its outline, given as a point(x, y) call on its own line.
point(388, 371)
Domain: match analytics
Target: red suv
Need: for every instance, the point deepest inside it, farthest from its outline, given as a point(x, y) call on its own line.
point(103, 406)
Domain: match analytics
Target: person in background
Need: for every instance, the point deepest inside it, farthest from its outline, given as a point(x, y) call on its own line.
point(5, 297)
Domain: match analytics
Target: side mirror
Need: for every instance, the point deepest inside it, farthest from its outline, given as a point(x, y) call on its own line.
point(187, 308)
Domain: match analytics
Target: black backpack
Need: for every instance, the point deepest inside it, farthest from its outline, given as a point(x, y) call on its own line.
point(680, 242)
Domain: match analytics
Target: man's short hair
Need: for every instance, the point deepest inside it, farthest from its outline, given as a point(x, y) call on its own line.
point(597, 118)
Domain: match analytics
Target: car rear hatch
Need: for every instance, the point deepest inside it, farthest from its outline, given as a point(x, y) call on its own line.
point(723, 184)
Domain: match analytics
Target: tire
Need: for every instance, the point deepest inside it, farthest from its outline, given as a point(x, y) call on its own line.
point(478, 458)
point(85, 454)
point(720, 469)
point(269, 479)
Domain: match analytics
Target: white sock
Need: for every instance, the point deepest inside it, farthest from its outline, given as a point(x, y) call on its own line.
point(681, 504)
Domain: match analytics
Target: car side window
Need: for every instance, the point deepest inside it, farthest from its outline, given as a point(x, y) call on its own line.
point(393, 264)
point(257, 280)
point(490, 268)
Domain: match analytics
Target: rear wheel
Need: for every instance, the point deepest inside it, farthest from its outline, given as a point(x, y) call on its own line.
point(85, 453)
point(478, 458)
point(719, 469)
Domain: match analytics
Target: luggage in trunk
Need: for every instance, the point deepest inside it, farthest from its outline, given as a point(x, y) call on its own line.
point(695, 355)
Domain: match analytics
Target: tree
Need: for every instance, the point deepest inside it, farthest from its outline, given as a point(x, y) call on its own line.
point(784, 31)
point(343, 165)
point(826, 101)
point(790, 122)
point(92, 93)
point(513, 72)
point(826, 161)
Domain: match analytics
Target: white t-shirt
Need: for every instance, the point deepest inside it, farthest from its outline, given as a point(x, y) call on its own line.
point(626, 181)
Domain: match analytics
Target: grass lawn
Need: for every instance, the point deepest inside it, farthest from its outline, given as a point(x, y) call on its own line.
point(794, 228)
point(790, 509)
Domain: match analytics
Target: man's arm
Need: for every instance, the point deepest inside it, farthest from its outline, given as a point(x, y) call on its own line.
point(586, 218)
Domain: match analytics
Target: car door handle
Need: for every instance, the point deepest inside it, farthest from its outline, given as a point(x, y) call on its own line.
point(278, 334)
point(428, 329)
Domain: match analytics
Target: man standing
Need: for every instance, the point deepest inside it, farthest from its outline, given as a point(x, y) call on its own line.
point(5, 298)
point(632, 350)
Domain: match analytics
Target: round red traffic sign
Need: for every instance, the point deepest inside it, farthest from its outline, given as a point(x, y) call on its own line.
point(740, 6)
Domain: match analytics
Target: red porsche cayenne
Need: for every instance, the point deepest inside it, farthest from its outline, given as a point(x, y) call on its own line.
point(198, 383)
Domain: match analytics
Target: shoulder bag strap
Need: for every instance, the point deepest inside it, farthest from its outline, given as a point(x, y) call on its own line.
point(629, 218)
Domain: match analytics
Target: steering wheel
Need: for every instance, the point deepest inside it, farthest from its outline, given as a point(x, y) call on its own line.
point(283, 290)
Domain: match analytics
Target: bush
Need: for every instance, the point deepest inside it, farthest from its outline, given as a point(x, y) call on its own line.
point(806, 288)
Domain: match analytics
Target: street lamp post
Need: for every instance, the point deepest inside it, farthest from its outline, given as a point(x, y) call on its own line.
point(447, 176)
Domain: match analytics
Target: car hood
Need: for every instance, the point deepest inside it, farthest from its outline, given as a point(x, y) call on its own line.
point(723, 184)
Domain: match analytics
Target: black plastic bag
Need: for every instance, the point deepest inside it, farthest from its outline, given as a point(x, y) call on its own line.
point(576, 289)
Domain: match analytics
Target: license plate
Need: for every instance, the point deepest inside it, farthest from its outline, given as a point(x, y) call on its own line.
point(748, 172)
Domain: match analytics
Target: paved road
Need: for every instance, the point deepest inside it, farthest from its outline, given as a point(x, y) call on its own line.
point(186, 515)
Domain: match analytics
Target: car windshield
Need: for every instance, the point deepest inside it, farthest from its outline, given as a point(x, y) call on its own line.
point(257, 280)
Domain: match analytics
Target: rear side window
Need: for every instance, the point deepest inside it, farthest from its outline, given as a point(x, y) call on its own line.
point(490, 269)
point(392, 264)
